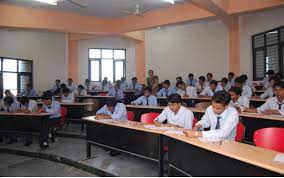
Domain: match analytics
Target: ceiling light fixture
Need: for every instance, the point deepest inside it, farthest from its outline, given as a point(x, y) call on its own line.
point(170, 1)
point(51, 2)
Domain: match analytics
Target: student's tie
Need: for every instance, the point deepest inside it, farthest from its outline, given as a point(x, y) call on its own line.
point(190, 82)
point(218, 123)
point(185, 94)
point(279, 105)
point(167, 92)
point(147, 101)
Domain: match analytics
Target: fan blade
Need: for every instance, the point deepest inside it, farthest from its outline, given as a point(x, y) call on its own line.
point(77, 3)
point(127, 12)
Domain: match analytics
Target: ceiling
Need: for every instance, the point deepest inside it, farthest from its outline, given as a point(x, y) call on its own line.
point(99, 8)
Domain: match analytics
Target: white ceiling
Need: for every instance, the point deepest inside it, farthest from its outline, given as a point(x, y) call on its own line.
point(99, 8)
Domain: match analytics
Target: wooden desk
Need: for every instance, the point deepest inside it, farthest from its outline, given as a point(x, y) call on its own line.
point(189, 101)
point(25, 124)
point(36, 98)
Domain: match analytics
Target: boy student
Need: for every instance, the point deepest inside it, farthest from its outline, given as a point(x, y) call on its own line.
point(152, 80)
point(220, 117)
point(117, 92)
point(238, 101)
point(177, 80)
point(134, 85)
point(112, 110)
point(201, 83)
point(269, 92)
point(166, 90)
point(191, 81)
point(81, 91)
point(224, 84)
point(210, 90)
point(27, 105)
point(273, 105)
point(106, 85)
point(231, 78)
point(56, 86)
point(247, 82)
point(67, 96)
point(265, 81)
point(123, 84)
point(175, 114)
point(9, 93)
point(30, 92)
point(209, 77)
point(71, 85)
point(186, 91)
point(246, 90)
point(88, 86)
point(147, 99)
point(53, 108)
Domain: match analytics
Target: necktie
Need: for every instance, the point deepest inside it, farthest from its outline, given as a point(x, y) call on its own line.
point(190, 82)
point(167, 92)
point(147, 101)
point(279, 105)
point(218, 123)
point(185, 92)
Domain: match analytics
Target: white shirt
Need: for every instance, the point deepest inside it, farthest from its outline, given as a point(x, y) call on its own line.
point(32, 106)
point(142, 100)
point(183, 118)
point(228, 124)
point(82, 93)
point(190, 91)
point(68, 99)
point(88, 87)
point(54, 109)
point(267, 94)
point(14, 107)
point(72, 87)
point(272, 104)
point(208, 92)
point(249, 83)
point(247, 91)
point(242, 103)
point(119, 113)
point(199, 87)
point(265, 80)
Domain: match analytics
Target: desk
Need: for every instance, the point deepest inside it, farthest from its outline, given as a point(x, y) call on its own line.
point(27, 124)
point(189, 101)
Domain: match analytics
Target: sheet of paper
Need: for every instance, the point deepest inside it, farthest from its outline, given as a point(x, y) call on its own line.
point(176, 132)
point(279, 158)
point(153, 127)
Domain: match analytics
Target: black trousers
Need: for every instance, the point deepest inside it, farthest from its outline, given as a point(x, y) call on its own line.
point(46, 124)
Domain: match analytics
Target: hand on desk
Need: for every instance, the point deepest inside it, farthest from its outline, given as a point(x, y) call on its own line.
point(102, 116)
point(197, 128)
point(271, 112)
point(192, 133)
point(157, 123)
point(171, 125)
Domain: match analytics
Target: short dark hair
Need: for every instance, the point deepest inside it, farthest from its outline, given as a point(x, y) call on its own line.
point(81, 87)
point(231, 73)
point(202, 78)
point(244, 77)
point(239, 80)
point(270, 72)
point(46, 96)
point(9, 100)
point(237, 90)
point(167, 82)
point(180, 78)
point(29, 85)
point(134, 78)
point(180, 83)
point(24, 100)
point(174, 98)
point(149, 89)
point(221, 97)
point(62, 85)
point(190, 75)
point(213, 82)
point(275, 78)
point(150, 70)
point(225, 80)
point(6, 91)
point(57, 80)
point(65, 90)
point(210, 74)
point(70, 79)
point(111, 102)
point(279, 84)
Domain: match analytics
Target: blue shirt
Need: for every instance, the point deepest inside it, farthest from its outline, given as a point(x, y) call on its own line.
point(164, 92)
point(142, 100)
point(191, 82)
point(119, 112)
point(55, 88)
point(137, 86)
point(54, 109)
point(118, 93)
point(30, 93)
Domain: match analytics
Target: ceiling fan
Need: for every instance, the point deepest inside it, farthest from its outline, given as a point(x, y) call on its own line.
point(55, 2)
point(77, 3)
point(137, 12)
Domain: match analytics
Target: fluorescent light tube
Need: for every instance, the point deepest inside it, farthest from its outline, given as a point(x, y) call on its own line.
point(51, 2)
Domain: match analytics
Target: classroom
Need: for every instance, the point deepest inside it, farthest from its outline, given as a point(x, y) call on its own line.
point(141, 88)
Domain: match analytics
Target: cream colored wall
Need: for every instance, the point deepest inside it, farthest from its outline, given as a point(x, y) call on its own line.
point(47, 50)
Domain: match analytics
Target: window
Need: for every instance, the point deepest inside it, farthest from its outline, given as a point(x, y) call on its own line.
point(108, 63)
point(15, 74)
point(268, 49)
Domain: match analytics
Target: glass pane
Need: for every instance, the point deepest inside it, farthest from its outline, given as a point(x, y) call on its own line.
point(95, 71)
point(24, 80)
point(10, 82)
point(258, 41)
point(282, 34)
point(119, 70)
point(95, 53)
point(25, 66)
point(119, 54)
point(272, 37)
point(259, 64)
point(272, 58)
point(107, 53)
point(107, 69)
point(10, 65)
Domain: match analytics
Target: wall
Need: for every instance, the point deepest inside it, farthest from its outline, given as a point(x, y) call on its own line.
point(47, 50)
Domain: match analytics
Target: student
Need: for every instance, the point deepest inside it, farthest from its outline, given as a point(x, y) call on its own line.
point(265, 81)
point(247, 82)
point(117, 92)
point(67, 96)
point(231, 78)
point(238, 101)
point(224, 85)
point(246, 90)
point(166, 90)
point(30, 92)
point(81, 91)
point(191, 81)
point(147, 99)
point(177, 80)
point(220, 117)
point(186, 91)
point(112, 110)
point(273, 105)
point(56, 86)
point(88, 86)
point(62, 87)
point(71, 85)
point(134, 85)
point(269, 92)
point(9, 93)
point(175, 114)
point(106, 85)
point(53, 108)
point(201, 83)
point(123, 84)
point(210, 90)
point(152, 80)
point(27, 105)
point(209, 77)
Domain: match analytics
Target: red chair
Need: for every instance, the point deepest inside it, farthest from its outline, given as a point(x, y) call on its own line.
point(148, 118)
point(63, 116)
point(103, 94)
point(130, 115)
point(194, 122)
point(240, 132)
point(270, 138)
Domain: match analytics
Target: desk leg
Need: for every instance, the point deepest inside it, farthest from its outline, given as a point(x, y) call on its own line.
point(161, 156)
point(88, 149)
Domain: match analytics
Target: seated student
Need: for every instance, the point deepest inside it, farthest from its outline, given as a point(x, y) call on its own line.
point(248, 82)
point(246, 90)
point(106, 85)
point(210, 90)
point(112, 110)
point(134, 85)
point(67, 96)
point(71, 85)
point(10, 104)
point(167, 90)
point(117, 92)
point(186, 91)
point(273, 105)
point(269, 92)
point(265, 81)
point(27, 105)
point(177, 80)
point(88, 86)
point(238, 101)
point(191, 81)
point(123, 84)
point(175, 114)
point(52, 107)
point(56, 86)
point(209, 77)
point(201, 84)
point(81, 91)
point(224, 85)
point(220, 117)
point(146, 99)
point(30, 92)
point(231, 78)
point(9, 93)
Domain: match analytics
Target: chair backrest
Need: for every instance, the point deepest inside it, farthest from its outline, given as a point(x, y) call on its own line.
point(63, 115)
point(148, 118)
point(194, 122)
point(270, 138)
point(130, 115)
point(103, 94)
point(240, 132)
